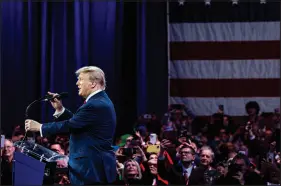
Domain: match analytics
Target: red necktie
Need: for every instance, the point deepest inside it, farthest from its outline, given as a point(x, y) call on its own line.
point(84, 102)
point(186, 178)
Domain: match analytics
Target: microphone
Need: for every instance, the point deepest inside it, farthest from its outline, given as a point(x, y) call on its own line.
point(45, 98)
point(59, 96)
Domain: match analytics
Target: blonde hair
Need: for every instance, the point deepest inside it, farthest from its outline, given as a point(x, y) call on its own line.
point(95, 74)
point(124, 172)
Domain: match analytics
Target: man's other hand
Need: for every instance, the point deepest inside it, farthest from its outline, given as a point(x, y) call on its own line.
point(31, 125)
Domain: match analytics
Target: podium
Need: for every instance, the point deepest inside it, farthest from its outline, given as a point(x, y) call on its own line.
point(34, 164)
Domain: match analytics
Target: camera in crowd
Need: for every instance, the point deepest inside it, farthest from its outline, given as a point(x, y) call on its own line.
point(210, 176)
point(132, 147)
point(184, 136)
point(147, 116)
point(130, 151)
point(248, 126)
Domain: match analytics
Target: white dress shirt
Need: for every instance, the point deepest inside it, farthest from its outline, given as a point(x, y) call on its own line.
point(188, 170)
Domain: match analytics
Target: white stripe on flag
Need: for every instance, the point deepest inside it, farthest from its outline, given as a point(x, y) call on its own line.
point(233, 31)
point(224, 69)
point(232, 106)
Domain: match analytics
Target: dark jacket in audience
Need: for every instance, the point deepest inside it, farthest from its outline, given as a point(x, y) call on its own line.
point(6, 172)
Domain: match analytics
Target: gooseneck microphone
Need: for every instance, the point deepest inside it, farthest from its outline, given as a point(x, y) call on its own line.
point(47, 97)
point(59, 96)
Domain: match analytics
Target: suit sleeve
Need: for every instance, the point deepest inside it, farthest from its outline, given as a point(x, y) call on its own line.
point(84, 117)
point(67, 114)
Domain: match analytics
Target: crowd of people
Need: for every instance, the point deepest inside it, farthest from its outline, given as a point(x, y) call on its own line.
point(182, 149)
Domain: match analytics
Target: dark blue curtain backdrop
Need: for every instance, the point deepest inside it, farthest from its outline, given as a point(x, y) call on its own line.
point(44, 43)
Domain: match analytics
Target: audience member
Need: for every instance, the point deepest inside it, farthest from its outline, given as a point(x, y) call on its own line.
point(181, 149)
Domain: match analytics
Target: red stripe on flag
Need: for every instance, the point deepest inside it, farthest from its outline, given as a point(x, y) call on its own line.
point(224, 87)
point(225, 50)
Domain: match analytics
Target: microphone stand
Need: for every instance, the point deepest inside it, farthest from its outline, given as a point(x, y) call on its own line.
point(45, 98)
point(27, 116)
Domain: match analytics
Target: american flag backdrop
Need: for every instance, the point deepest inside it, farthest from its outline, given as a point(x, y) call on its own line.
point(224, 54)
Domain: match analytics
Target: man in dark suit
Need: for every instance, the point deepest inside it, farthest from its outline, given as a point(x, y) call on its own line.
point(91, 128)
point(181, 172)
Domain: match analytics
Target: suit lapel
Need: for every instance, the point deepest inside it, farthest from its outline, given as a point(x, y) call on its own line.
point(177, 169)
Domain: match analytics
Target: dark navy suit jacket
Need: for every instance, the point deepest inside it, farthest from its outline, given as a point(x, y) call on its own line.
point(91, 128)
